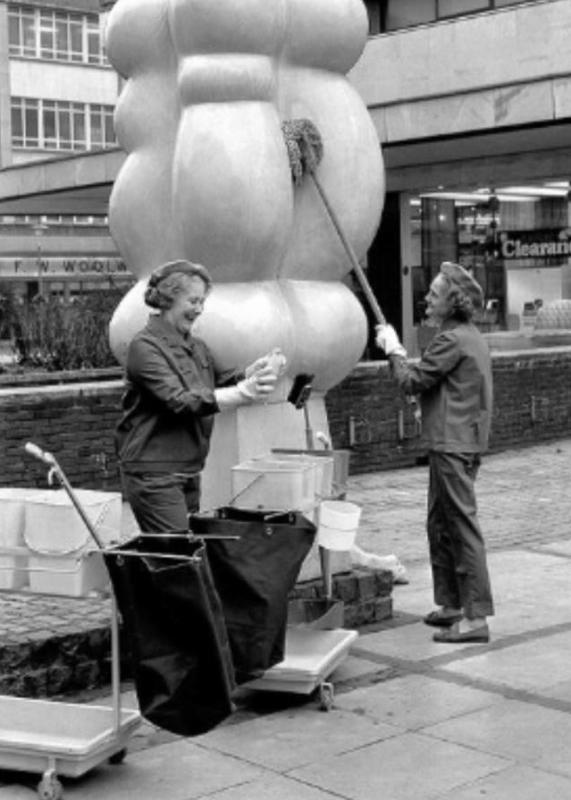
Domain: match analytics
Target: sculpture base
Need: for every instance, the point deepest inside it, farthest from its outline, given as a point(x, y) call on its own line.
point(251, 431)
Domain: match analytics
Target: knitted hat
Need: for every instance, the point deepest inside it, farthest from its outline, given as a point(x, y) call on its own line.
point(182, 267)
point(467, 284)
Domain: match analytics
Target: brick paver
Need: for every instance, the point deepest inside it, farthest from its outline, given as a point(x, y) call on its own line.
point(524, 499)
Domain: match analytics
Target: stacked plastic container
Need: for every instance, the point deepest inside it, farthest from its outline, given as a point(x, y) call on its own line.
point(272, 483)
point(13, 555)
point(45, 545)
point(63, 558)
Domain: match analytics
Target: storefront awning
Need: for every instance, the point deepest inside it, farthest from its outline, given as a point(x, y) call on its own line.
point(78, 184)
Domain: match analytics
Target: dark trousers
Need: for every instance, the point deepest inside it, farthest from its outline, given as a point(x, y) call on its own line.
point(457, 550)
point(161, 502)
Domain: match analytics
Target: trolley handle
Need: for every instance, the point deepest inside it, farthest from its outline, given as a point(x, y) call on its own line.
point(57, 472)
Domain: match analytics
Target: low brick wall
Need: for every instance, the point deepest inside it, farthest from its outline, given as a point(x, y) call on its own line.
point(74, 657)
point(366, 415)
point(532, 403)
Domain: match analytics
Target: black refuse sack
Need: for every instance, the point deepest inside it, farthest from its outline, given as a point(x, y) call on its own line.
point(254, 576)
point(174, 624)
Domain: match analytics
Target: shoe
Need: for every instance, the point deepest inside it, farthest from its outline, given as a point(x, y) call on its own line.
point(454, 636)
point(439, 619)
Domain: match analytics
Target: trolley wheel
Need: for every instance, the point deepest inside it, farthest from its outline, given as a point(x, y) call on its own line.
point(118, 757)
point(326, 694)
point(50, 788)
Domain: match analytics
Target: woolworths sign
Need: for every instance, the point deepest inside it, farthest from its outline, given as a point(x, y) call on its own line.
point(80, 267)
point(535, 244)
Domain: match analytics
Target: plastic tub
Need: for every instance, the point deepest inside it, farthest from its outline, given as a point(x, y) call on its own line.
point(323, 465)
point(338, 523)
point(13, 568)
point(269, 483)
point(70, 576)
point(54, 527)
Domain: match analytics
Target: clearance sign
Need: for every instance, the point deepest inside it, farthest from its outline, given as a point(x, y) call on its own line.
point(535, 244)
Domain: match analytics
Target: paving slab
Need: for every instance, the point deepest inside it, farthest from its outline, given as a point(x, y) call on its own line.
point(414, 701)
point(177, 771)
point(515, 783)
point(274, 787)
point(533, 665)
point(520, 731)
point(295, 738)
point(407, 767)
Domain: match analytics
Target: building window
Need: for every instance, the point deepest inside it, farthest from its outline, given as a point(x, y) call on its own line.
point(61, 125)
point(391, 15)
point(55, 35)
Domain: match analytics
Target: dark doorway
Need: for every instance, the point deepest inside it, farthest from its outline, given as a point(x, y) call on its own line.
point(384, 271)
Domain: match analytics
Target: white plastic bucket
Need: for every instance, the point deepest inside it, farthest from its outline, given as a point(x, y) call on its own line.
point(12, 507)
point(338, 524)
point(54, 527)
point(13, 568)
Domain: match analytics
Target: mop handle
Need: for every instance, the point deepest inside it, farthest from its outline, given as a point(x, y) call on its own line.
point(55, 469)
point(357, 268)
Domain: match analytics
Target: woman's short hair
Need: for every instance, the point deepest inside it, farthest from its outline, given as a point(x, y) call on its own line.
point(169, 280)
point(465, 294)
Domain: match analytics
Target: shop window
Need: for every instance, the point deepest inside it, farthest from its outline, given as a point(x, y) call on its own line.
point(515, 240)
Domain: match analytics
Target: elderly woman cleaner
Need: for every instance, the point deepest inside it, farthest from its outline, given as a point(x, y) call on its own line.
point(173, 393)
point(453, 380)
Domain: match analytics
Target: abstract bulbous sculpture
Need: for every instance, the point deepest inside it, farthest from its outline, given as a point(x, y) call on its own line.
point(207, 175)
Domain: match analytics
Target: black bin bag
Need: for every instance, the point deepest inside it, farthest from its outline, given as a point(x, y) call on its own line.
point(254, 576)
point(173, 622)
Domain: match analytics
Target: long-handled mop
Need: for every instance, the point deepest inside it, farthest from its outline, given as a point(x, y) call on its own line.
point(305, 150)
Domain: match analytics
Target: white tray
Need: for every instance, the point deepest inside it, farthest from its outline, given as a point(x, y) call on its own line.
point(71, 738)
point(310, 657)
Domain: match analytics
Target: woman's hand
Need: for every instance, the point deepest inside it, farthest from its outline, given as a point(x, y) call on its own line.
point(275, 360)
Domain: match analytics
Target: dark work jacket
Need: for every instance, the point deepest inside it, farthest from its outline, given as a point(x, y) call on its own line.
point(454, 381)
point(169, 401)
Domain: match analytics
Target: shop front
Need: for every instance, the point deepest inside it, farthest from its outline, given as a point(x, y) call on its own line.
point(514, 239)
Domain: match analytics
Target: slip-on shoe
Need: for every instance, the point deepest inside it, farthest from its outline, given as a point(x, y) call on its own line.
point(439, 620)
point(454, 636)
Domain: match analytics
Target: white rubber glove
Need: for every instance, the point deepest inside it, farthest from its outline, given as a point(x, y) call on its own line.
point(259, 385)
point(386, 339)
point(259, 364)
point(252, 389)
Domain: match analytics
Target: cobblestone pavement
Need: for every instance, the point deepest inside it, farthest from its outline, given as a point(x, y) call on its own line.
point(523, 496)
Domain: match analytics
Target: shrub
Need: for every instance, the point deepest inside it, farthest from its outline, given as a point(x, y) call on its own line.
point(52, 333)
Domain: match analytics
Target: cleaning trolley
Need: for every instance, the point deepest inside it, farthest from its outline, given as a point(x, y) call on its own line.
point(58, 738)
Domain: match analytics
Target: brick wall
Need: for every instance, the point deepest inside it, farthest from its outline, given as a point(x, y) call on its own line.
point(532, 403)
point(366, 415)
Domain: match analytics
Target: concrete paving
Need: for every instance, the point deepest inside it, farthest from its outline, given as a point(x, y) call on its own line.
point(412, 719)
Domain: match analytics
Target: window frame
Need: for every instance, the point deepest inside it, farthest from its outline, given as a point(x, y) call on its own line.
point(53, 35)
point(61, 125)
point(381, 13)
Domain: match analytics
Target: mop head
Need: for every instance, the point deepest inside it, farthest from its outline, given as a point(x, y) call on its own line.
point(304, 147)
